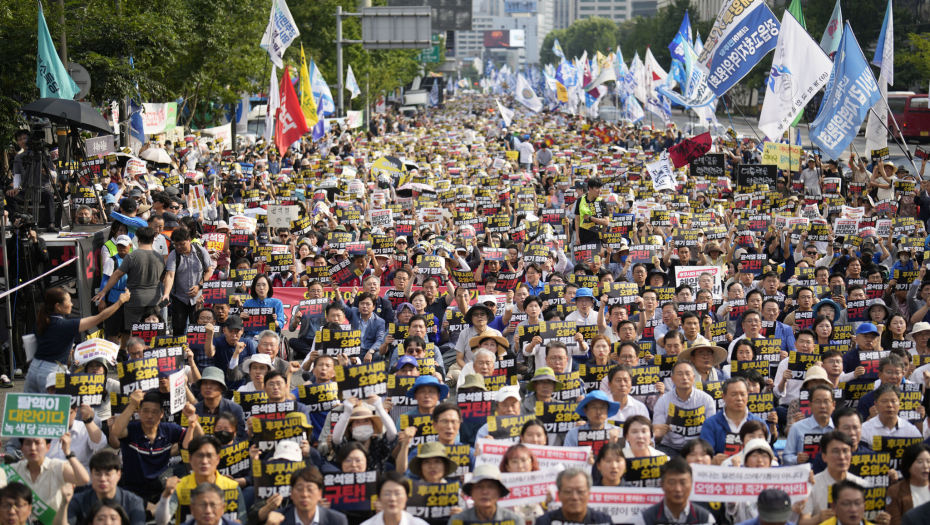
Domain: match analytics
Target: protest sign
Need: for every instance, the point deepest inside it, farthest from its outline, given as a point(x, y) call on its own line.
point(274, 477)
point(644, 471)
point(622, 504)
point(712, 483)
point(267, 434)
point(137, 374)
point(339, 342)
point(94, 348)
point(526, 488)
point(35, 415)
point(507, 428)
point(492, 451)
point(426, 431)
point(433, 501)
point(362, 381)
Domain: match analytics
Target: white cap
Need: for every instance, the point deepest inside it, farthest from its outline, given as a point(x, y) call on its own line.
point(263, 359)
point(507, 392)
point(288, 450)
point(50, 379)
point(124, 240)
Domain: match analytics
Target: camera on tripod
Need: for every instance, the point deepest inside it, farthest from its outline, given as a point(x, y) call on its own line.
point(28, 223)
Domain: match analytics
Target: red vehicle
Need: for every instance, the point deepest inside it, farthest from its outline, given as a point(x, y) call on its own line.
point(912, 114)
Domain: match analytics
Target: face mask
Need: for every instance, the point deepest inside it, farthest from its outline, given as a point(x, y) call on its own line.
point(362, 433)
point(83, 220)
point(224, 436)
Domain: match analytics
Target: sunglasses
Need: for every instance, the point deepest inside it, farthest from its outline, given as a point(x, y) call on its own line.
point(175, 207)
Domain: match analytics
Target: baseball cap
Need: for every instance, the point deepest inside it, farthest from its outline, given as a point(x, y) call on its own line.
point(233, 322)
point(867, 328)
point(774, 506)
point(407, 360)
point(124, 240)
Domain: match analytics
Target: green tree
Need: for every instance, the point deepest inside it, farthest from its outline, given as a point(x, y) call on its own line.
point(588, 34)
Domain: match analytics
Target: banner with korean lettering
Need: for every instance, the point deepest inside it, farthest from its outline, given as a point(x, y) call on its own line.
point(851, 91)
point(274, 477)
point(712, 483)
point(739, 38)
point(433, 501)
point(35, 415)
point(622, 504)
point(350, 490)
point(526, 488)
point(492, 451)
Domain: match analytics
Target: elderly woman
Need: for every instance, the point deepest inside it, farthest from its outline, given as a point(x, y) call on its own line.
point(375, 431)
point(493, 349)
point(596, 409)
point(639, 438)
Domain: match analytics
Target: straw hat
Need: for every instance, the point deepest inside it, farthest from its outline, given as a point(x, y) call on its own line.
point(720, 355)
point(363, 412)
point(433, 449)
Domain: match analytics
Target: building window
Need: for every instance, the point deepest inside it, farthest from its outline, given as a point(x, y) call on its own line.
point(620, 17)
point(603, 8)
point(591, 8)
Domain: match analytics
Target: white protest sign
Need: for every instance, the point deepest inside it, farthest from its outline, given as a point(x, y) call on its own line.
point(714, 483)
point(431, 215)
point(178, 387)
point(696, 278)
point(661, 172)
point(378, 200)
point(526, 488)
point(381, 218)
point(199, 202)
point(135, 167)
point(845, 226)
point(883, 227)
point(94, 348)
point(241, 222)
point(642, 209)
point(282, 216)
point(492, 451)
point(853, 213)
point(622, 504)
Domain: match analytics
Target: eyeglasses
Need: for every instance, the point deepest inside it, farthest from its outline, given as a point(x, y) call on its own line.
point(175, 207)
point(851, 504)
point(5, 507)
point(206, 505)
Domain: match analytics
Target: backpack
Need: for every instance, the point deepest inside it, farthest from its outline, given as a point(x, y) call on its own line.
point(177, 260)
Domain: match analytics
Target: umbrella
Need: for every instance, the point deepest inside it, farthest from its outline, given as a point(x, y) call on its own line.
point(156, 155)
point(70, 112)
point(407, 189)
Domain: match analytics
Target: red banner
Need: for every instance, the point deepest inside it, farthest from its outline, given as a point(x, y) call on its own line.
point(687, 150)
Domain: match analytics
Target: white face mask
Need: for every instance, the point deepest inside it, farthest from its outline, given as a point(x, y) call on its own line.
point(362, 433)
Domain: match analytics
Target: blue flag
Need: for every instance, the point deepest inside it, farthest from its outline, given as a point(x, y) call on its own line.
point(677, 48)
point(52, 77)
point(557, 49)
point(685, 29)
point(850, 92)
point(136, 127)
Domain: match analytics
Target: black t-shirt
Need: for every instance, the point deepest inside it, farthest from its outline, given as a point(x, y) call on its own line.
point(55, 343)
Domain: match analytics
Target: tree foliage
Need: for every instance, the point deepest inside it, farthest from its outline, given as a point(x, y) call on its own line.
point(203, 53)
point(589, 34)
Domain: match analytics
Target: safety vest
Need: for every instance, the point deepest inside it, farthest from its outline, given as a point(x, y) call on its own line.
point(230, 497)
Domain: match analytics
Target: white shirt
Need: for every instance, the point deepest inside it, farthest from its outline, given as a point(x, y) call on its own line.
point(526, 152)
point(823, 484)
point(314, 521)
point(405, 519)
point(81, 444)
point(49, 483)
point(581, 320)
point(920, 495)
point(874, 427)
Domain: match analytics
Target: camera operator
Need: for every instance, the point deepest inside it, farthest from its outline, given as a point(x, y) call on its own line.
point(18, 146)
point(24, 231)
point(17, 200)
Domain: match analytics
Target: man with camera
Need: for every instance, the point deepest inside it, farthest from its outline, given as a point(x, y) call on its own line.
point(29, 172)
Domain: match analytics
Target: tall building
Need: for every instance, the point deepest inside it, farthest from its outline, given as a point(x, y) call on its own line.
point(563, 13)
point(534, 17)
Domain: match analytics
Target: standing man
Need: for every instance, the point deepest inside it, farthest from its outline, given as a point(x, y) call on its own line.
point(574, 486)
point(188, 267)
point(143, 268)
point(587, 224)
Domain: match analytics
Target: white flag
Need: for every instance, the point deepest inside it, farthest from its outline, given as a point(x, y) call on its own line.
point(876, 136)
point(321, 91)
point(661, 172)
point(831, 35)
point(524, 94)
point(884, 48)
point(800, 69)
point(639, 78)
point(242, 115)
point(279, 34)
point(273, 102)
point(506, 114)
point(352, 84)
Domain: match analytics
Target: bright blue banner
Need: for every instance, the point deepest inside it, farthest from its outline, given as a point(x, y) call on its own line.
point(742, 44)
point(850, 92)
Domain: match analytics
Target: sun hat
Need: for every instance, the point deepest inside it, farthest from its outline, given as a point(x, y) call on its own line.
point(473, 381)
point(363, 412)
point(544, 374)
point(916, 329)
point(814, 373)
point(262, 359)
point(828, 302)
point(720, 355)
point(433, 449)
point(288, 450)
point(483, 472)
point(612, 406)
point(478, 339)
point(881, 303)
point(211, 373)
point(479, 307)
point(583, 292)
point(428, 381)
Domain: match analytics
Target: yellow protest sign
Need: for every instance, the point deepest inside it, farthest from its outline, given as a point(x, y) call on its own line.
point(782, 155)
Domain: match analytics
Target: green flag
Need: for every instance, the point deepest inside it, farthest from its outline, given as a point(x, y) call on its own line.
point(52, 77)
point(795, 9)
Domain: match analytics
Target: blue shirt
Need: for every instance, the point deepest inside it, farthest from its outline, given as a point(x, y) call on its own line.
point(271, 302)
point(145, 459)
point(55, 343)
point(223, 352)
point(795, 444)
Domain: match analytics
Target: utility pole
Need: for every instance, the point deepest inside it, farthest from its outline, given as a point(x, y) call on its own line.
point(339, 80)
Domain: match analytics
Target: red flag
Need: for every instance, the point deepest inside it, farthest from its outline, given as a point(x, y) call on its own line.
point(290, 123)
point(687, 150)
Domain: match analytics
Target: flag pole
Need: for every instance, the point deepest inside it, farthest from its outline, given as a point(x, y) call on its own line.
point(754, 132)
point(903, 150)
